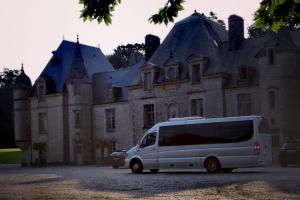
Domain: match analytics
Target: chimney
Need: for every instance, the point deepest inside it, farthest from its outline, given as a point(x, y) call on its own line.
point(152, 42)
point(236, 31)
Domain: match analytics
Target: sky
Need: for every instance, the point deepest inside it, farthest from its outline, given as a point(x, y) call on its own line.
point(32, 29)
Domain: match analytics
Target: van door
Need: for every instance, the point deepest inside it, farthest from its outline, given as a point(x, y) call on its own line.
point(148, 151)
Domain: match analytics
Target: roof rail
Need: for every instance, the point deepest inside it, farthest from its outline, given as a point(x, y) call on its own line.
point(185, 118)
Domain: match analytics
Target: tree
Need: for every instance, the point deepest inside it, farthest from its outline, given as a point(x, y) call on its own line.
point(272, 14)
point(126, 55)
point(253, 31)
point(7, 139)
point(275, 14)
point(102, 11)
point(7, 77)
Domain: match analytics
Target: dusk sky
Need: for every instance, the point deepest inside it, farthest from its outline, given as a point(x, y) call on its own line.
point(32, 29)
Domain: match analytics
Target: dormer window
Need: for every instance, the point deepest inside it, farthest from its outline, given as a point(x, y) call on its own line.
point(196, 75)
point(110, 93)
point(198, 64)
point(113, 92)
point(147, 81)
point(41, 92)
point(171, 73)
point(244, 73)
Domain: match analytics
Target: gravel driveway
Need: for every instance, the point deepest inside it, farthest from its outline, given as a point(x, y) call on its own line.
point(90, 182)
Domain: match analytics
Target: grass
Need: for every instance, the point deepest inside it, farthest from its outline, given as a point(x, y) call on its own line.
point(10, 156)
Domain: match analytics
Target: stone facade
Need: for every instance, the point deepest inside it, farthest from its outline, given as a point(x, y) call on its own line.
point(200, 69)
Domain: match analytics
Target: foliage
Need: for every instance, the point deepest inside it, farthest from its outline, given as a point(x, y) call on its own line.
point(10, 156)
point(254, 32)
point(117, 60)
point(101, 10)
point(125, 55)
point(168, 12)
point(275, 14)
point(7, 77)
point(98, 9)
point(272, 14)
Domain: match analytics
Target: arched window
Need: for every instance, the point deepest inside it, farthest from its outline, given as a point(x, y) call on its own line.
point(172, 110)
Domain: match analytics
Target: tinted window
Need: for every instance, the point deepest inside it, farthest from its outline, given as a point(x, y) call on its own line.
point(210, 133)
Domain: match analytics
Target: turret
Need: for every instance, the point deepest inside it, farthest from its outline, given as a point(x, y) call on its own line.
point(22, 88)
point(279, 87)
point(79, 102)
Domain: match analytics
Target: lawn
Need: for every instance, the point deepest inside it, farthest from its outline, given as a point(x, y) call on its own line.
point(10, 156)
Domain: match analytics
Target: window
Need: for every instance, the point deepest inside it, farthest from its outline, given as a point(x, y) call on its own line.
point(196, 76)
point(272, 99)
point(149, 139)
point(244, 73)
point(110, 93)
point(244, 104)
point(77, 118)
point(197, 108)
point(113, 146)
point(147, 81)
point(270, 56)
point(207, 133)
point(41, 92)
point(76, 87)
point(42, 123)
point(110, 120)
point(148, 115)
point(172, 110)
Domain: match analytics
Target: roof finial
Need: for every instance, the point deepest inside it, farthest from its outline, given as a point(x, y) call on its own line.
point(77, 38)
point(195, 11)
point(22, 67)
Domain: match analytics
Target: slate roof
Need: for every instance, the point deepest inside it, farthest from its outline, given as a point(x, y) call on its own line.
point(195, 34)
point(58, 69)
point(118, 78)
point(22, 81)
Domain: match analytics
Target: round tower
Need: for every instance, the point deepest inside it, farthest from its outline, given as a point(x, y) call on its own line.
point(279, 88)
point(22, 88)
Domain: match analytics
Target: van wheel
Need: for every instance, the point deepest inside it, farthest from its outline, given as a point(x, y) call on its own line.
point(227, 170)
point(154, 170)
point(136, 167)
point(212, 165)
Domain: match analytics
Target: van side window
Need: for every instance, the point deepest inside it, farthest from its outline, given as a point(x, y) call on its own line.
point(149, 139)
point(207, 133)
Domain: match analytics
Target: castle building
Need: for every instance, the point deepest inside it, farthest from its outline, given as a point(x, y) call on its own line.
point(82, 109)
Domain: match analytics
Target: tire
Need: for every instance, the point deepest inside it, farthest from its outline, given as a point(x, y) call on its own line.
point(154, 170)
point(136, 167)
point(212, 165)
point(227, 170)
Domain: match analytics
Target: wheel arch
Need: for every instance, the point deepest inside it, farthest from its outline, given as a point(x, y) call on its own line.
point(211, 156)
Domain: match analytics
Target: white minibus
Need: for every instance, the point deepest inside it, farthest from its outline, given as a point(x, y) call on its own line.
point(216, 144)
